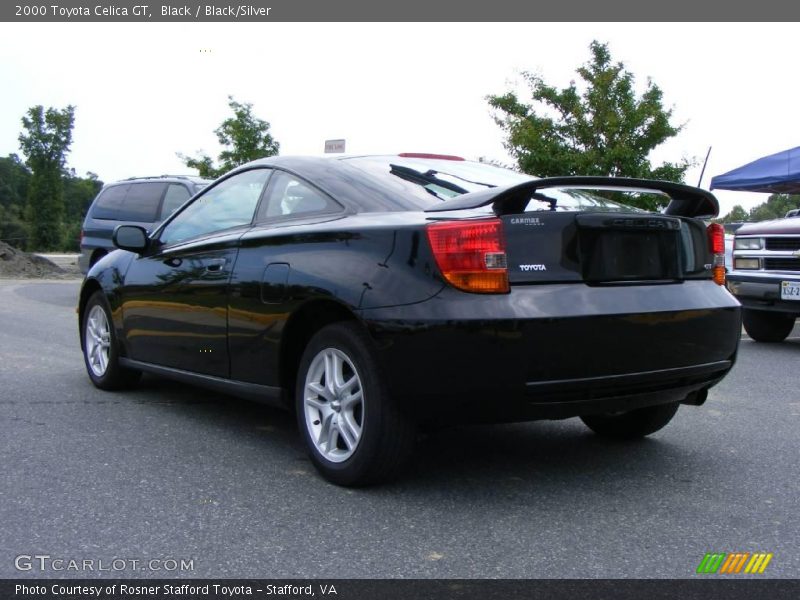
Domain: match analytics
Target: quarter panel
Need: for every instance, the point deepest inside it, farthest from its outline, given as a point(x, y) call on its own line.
point(353, 261)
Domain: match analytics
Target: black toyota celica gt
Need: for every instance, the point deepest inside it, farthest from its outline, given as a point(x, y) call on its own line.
point(377, 295)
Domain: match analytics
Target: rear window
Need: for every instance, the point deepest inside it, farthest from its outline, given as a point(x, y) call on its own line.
point(109, 203)
point(441, 179)
point(131, 202)
point(578, 200)
point(430, 181)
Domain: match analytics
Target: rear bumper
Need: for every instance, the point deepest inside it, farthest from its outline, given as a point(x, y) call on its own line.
point(763, 291)
point(556, 351)
point(568, 398)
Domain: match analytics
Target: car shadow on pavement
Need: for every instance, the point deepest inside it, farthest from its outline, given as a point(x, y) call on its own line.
point(537, 456)
point(538, 452)
point(221, 410)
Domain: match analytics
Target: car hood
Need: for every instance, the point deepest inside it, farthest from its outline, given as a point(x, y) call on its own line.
point(776, 226)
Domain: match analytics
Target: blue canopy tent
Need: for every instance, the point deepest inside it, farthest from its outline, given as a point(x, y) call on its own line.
point(775, 174)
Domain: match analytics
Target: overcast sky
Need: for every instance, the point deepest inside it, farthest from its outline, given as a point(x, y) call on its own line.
point(146, 91)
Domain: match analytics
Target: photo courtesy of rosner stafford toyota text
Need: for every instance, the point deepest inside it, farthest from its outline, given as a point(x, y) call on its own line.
point(341, 300)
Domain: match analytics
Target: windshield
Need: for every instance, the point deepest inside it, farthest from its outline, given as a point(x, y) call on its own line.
point(433, 180)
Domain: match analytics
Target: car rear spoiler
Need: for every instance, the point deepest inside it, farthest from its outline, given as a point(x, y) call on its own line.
point(684, 200)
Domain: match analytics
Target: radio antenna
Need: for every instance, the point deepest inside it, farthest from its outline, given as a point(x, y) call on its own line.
point(705, 162)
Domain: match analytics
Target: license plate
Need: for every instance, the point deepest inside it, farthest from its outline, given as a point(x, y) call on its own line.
point(790, 290)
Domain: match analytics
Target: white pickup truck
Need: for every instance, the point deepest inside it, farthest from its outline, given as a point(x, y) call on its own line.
point(765, 277)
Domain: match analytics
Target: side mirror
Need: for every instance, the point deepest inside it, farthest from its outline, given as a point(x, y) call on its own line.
point(130, 237)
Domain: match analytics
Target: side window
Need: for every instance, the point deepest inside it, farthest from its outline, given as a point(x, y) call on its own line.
point(109, 203)
point(287, 195)
point(141, 203)
point(228, 204)
point(176, 195)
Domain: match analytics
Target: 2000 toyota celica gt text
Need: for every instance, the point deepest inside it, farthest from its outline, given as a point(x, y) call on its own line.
point(376, 295)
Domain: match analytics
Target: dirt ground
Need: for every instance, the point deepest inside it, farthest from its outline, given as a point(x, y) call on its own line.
point(16, 264)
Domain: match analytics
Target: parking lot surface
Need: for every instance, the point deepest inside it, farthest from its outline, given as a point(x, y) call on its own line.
point(170, 472)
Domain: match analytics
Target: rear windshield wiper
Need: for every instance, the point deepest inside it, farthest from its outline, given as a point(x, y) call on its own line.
point(489, 185)
point(431, 174)
point(423, 179)
point(545, 198)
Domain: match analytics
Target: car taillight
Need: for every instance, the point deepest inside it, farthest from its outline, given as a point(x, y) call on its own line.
point(471, 254)
point(716, 243)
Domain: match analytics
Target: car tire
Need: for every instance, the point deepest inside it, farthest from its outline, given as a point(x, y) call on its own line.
point(767, 326)
point(100, 347)
point(353, 429)
point(632, 424)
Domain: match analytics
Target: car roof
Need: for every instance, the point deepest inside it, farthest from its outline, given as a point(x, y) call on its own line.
point(166, 178)
point(311, 162)
point(341, 180)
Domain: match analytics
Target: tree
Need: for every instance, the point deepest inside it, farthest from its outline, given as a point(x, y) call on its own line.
point(14, 178)
point(78, 195)
point(245, 138)
point(599, 128)
point(736, 215)
point(776, 206)
point(45, 144)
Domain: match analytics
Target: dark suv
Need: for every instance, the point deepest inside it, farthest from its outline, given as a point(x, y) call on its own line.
point(144, 201)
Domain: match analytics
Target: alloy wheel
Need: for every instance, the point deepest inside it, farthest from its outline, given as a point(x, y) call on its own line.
point(334, 405)
point(97, 340)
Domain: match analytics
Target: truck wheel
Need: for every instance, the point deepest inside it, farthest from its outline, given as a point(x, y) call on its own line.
point(767, 326)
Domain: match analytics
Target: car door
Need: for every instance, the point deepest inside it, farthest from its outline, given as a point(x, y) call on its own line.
point(174, 298)
point(260, 299)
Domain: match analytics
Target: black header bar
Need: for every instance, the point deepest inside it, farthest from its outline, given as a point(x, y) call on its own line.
point(405, 10)
point(706, 587)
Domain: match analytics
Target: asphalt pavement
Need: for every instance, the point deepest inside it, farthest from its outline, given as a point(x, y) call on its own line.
point(167, 472)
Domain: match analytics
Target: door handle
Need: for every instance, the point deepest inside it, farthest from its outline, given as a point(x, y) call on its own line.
point(214, 265)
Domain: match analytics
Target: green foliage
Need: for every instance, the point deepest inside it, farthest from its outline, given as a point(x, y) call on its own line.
point(736, 215)
point(598, 128)
point(245, 138)
point(776, 206)
point(45, 144)
point(42, 204)
point(78, 195)
point(15, 180)
point(14, 177)
point(13, 230)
